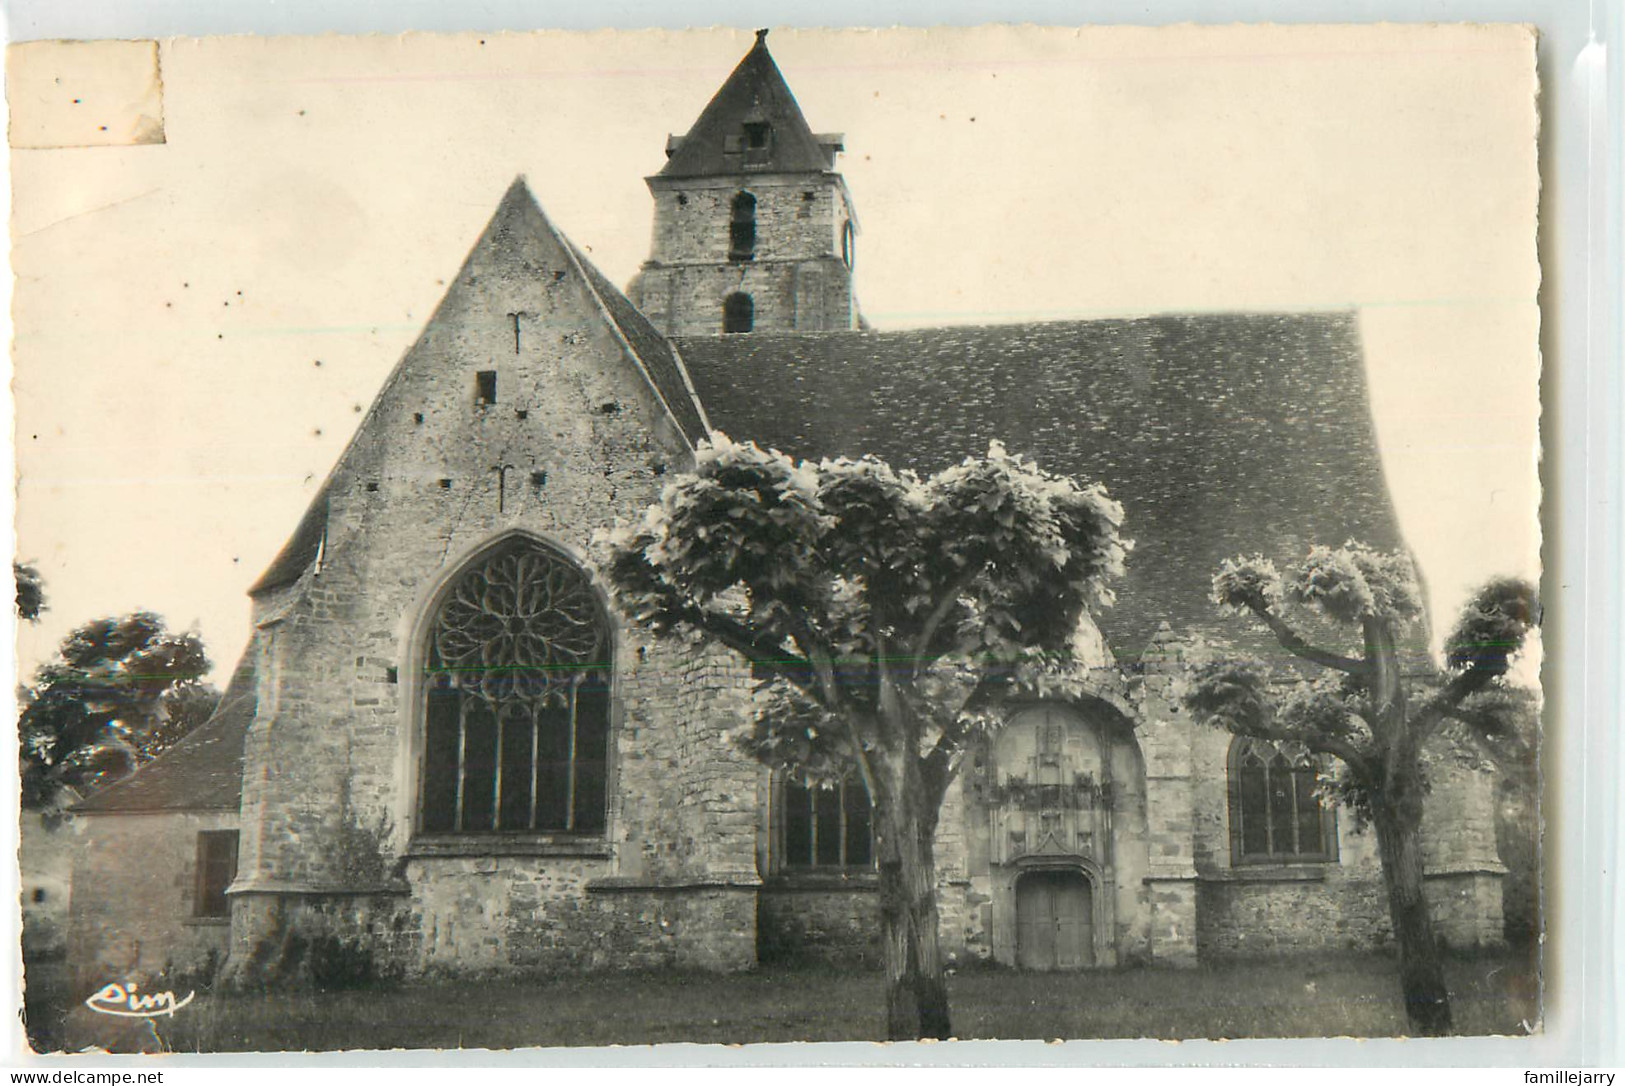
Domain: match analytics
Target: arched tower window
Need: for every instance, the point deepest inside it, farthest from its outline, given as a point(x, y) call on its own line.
point(516, 699)
point(1275, 814)
point(742, 228)
point(738, 313)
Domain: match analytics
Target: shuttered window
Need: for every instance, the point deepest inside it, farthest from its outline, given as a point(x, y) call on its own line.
point(216, 868)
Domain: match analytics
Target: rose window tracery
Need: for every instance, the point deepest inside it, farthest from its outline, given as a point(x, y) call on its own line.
point(523, 623)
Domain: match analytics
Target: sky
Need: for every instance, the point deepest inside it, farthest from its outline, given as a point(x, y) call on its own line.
point(200, 323)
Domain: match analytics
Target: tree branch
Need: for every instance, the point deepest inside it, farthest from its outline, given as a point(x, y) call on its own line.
point(739, 636)
point(939, 759)
point(1290, 640)
point(939, 614)
point(820, 659)
point(1447, 701)
point(1319, 742)
point(1345, 751)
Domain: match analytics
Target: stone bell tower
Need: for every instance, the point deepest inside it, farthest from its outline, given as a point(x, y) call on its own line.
point(753, 228)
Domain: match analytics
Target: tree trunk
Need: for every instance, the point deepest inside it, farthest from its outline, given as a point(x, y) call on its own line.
point(1421, 973)
point(916, 987)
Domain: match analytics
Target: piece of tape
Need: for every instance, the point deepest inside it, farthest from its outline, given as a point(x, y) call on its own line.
point(84, 94)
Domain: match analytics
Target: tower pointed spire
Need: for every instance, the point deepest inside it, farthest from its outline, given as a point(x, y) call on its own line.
point(752, 124)
point(754, 230)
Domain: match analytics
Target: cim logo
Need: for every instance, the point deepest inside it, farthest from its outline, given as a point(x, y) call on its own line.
point(122, 1000)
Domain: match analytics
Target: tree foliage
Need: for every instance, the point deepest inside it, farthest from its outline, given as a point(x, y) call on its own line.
point(1374, 708)
point(889, 616)
point(844, 579)
point(119, 692)
point(30, 591)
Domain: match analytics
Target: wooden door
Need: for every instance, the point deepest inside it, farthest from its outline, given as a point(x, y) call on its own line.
point(1054, 921)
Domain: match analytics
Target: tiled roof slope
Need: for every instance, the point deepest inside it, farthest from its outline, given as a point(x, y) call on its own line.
point(756, 91)
point(1220, 434)
point(300, 549)
point(204, 771)
point(519, 223)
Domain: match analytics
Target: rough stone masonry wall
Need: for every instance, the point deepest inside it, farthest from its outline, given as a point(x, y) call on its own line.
point(828, 920)
point(1172, 780)
point(803, 296)
point(797, 217)
point(1465, 872)
point(135, 879)
point(330, 789)
point(723, 796)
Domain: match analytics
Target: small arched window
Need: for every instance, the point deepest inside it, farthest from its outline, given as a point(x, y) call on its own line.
point(825, 826)
point(849, 244)
point(742, 228)
point(738, 313)
point(1276, 814)
point(516, 699)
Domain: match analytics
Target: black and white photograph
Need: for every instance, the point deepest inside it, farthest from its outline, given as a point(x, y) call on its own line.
point(553, 539)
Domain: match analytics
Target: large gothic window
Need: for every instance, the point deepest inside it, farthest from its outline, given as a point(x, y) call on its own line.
point(516, 733)
point(1276, 815)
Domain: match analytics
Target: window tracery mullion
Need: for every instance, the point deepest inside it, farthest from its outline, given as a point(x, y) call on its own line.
point(462, 759)
point(840, 798)
point(570, 787)
point(496, 769)
point(535, 757)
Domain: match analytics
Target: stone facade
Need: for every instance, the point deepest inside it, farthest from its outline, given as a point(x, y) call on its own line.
point(540, 406)
point(338, 737)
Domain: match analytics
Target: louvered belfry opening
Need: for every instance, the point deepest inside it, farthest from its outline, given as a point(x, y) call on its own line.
point(742, 228)
point(517, 699)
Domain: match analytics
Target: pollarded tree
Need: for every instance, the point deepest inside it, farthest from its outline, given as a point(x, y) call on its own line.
point(894, 614)
point(1374, 710)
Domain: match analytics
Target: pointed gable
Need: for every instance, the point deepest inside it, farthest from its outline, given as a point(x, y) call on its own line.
point(728, 139)
point(520, 247)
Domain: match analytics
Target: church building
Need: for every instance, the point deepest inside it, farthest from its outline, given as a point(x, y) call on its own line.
point(374, 797)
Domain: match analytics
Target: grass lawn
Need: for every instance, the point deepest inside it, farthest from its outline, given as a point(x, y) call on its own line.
point(1346, 994)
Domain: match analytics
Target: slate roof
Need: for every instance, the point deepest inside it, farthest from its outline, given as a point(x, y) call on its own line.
point(1220, 434)
point(651, 352)
point(659, 359)
point(204, 771)
point(754, 92)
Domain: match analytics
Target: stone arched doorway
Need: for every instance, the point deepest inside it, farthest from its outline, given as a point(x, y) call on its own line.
point(1054, 920)
point(1061, 788)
